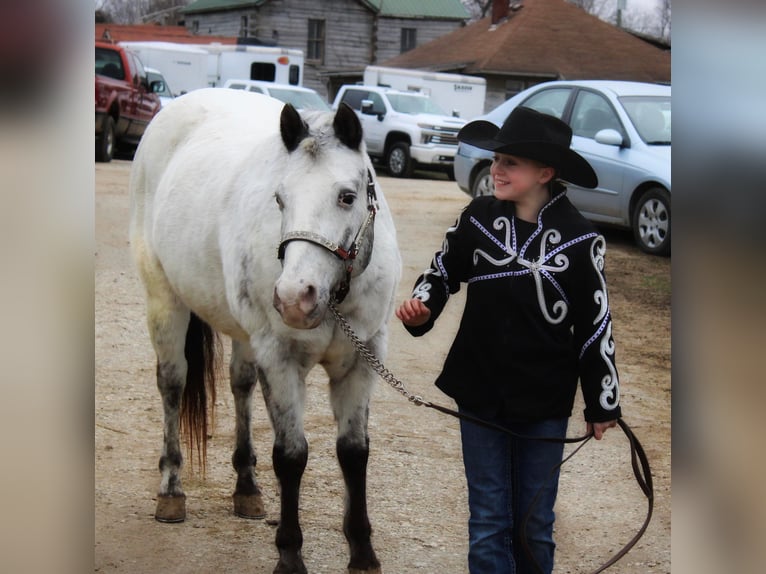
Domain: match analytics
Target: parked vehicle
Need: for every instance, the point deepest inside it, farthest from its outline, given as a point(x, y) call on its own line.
point(623, 130)
point(125, 101)
point(301, 98)
point(404, 129)
point(460, 95)
point(185, 67)
point(159, 85)
point(265, 63)
point(193, 66)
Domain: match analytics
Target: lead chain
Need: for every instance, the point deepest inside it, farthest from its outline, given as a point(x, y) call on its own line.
point(373, 361)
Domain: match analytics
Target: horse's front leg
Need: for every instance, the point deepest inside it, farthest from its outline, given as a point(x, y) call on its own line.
point(248, 500)
point(284, 391)
point(350, 392)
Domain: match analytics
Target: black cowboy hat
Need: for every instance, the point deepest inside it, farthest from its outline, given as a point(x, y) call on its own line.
point(533, 135)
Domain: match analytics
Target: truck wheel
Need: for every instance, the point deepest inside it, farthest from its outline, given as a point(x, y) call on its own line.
point(651, 221)
point(483, 184)
point(105, 143)
point(398, 161)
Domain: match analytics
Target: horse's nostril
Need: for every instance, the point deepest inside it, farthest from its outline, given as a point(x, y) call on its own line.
point(308, 300)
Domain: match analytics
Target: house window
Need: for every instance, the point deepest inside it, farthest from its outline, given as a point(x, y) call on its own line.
point(243, 27)
point(195, 26)
point(409, 39)
point(315, 47)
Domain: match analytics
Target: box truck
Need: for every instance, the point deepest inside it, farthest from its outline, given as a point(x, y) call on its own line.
point(456, 94)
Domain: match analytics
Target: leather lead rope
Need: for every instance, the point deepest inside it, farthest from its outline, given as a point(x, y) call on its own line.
point(638, 459)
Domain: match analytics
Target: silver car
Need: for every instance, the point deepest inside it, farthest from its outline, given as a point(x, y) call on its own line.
point(623, 130)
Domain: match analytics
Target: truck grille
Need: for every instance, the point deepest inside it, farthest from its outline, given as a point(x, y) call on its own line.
point(440, 136)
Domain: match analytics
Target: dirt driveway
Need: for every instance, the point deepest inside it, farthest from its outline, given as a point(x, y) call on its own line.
point(417, 494)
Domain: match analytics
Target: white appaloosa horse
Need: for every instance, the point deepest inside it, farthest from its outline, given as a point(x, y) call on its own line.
point(249, 219)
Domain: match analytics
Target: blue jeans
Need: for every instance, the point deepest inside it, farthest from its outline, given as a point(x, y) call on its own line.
point(504, 476)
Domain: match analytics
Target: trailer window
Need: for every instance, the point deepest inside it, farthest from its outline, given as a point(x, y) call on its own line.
point(295, 75)
point(263, 71)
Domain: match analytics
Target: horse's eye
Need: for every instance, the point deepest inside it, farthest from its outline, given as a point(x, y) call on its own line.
point(279, 201)
point(347, 198)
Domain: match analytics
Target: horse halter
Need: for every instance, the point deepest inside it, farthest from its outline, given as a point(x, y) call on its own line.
point(348, 255)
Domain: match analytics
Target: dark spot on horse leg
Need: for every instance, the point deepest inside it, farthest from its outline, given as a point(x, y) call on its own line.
point(353, 457)
point(289, 468)
point(171, 387)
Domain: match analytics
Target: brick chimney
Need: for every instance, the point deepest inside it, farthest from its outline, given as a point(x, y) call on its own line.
point(499, 10)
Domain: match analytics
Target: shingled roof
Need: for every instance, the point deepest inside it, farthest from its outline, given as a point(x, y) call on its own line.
point(547, 38)
point(156, 33)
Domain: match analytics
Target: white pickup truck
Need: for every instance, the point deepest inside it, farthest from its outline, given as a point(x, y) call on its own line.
point(403, 129)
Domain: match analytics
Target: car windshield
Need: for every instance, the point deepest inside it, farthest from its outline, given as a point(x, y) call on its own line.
point(300, 100)
point(412, 104)
point(650, 116)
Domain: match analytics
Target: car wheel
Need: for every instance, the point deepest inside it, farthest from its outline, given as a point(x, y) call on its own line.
point(105, 143)
point(398, 161)
point(483, 184)
point(651, 221)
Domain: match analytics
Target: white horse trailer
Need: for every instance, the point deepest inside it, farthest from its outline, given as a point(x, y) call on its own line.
point(184, 67)
point(265, 63)
point(189, 67)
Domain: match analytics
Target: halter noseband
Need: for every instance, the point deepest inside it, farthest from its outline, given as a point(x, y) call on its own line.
point(346, 255)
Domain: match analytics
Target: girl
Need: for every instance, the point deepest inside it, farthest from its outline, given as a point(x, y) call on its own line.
point(536, 321)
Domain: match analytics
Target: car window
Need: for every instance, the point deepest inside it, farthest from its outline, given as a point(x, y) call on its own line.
point(256, 89)
point(354, 98)
point(109, 63)
point(165, 91)
point(650, 116)
point(408, 104)
point(550, 102)
point(237, 87)
point(378, 107)
point(139, 74)
point(591, 114)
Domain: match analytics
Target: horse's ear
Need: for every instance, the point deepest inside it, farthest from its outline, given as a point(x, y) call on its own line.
point(347, 127)
point(292, 126)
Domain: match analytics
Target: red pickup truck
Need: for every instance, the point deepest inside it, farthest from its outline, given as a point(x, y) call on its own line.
point(125, 101)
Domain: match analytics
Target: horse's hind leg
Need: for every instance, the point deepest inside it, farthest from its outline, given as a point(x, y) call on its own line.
point(350, 396)
point(168, 321)
point(248, 501)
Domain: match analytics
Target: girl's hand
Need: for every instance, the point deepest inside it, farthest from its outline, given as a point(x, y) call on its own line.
point(413, 313)
point(598, 429)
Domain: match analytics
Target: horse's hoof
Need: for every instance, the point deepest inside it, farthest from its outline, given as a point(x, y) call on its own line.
point(170, 508)
point(373, 570)
point(249, 506)
point(292, 567)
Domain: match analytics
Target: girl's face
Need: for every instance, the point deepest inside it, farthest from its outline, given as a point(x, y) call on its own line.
point(518, 178)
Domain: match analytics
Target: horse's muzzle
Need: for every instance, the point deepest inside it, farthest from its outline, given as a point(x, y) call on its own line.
point(299, 308)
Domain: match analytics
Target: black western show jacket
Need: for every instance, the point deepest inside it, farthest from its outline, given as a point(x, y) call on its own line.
point(536, 318)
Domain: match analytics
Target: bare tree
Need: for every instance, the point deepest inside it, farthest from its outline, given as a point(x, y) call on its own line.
point(137, 11)
point(477, 8)
point(664, 19)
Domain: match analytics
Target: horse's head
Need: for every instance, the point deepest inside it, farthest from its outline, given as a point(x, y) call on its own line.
point(327, 202)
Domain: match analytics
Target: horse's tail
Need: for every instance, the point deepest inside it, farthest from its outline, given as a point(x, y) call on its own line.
point(202, 351)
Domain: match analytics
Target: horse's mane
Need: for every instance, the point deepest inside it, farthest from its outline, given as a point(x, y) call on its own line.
point(321, 133)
